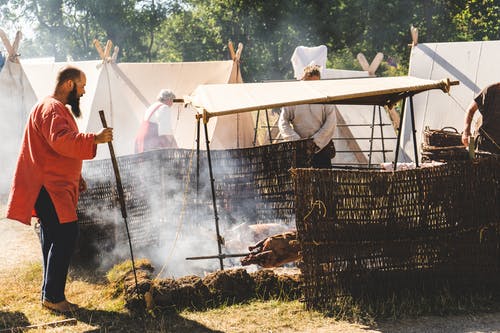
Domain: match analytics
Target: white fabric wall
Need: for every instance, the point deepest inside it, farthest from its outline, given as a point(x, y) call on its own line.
point(42, 76)
point(474, 64)
point(17, 98)
point(124, 91)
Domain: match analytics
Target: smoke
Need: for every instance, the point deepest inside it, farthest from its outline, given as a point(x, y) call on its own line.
point(183, 229)
point(168, 221)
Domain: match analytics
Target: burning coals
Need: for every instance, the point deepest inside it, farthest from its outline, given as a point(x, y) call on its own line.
point(193, 292)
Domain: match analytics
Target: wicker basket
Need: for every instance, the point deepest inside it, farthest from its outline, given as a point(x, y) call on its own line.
point(373, 235)
point(444, 154)
point(445, 137)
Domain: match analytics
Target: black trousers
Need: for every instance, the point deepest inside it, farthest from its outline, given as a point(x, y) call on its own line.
point(323, 158)
point(485, 144)
point(58, 244)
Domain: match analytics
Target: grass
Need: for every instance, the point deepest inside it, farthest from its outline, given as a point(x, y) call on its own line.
point(104, 311)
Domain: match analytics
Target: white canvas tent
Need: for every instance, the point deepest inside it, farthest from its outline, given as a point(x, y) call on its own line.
point(17, 98)
point(474, 64)
point(125, 90)
point(42, 76)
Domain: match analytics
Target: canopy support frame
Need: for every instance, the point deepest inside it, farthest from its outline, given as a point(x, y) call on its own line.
point(268, 127)
point(214, 200)
point(381, 132)
point(413, 131)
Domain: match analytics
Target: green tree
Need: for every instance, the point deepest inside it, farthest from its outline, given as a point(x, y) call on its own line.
point(269, 31)
point(196, 30)
point(68, 27)
point(478, 20)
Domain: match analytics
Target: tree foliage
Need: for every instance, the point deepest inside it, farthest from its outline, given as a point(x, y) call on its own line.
point(196, 30)
point(67, 28)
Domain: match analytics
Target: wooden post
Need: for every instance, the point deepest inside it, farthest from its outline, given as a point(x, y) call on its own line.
point(12, 56)
point(105, 54)
point(414, 36)
point(373, 66)
point(231, 50)
point(99, 49)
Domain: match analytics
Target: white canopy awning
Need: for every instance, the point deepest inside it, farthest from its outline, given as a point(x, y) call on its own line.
point(223, 99)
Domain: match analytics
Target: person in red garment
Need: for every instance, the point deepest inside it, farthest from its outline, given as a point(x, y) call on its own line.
point(156, 130)
point(47, 180)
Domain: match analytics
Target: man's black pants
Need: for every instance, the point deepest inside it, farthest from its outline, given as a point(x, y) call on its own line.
point(58, 243)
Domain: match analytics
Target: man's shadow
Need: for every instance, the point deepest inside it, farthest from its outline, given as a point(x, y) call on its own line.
point(112, 321)
point(11, 321)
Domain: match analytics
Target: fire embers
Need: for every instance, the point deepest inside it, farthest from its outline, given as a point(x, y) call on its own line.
point(274, 251)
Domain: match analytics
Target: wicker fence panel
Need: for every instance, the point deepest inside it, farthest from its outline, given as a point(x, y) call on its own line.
point(373, 233)
point(252, 184)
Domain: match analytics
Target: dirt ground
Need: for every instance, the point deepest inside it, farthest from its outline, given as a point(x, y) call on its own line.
point(19, 244)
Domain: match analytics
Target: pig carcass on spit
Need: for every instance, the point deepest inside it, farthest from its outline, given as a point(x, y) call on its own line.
point(274, 251)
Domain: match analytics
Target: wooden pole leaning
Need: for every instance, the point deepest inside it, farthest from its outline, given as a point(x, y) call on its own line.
point(121, 199)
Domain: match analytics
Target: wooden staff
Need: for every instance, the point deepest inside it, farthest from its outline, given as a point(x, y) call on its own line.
point(121, 198)
point(69, 321)
point(220, 256)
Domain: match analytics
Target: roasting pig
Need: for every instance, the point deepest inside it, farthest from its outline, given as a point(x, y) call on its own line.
point(239, 237)
point(274, 251)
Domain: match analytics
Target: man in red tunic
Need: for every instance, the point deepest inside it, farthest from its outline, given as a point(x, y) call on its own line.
point(48, 180)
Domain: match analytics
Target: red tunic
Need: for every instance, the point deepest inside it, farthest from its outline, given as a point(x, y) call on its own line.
point(51, 155)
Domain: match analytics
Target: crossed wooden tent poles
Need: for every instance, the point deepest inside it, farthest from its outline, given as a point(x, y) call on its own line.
point(12, 54)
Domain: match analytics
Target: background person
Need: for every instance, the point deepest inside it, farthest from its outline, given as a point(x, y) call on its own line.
point(316, 121)
point(47, 180)
point(156, 128)
point(488, 104)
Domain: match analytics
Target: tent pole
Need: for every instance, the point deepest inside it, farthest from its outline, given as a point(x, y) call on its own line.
point(197, 156)
point(398, 141)
point(414, 131)
point(381, 131)
point(256, 127)
point(212, 185)
point(268, 128)
point(372, 127)
point(238, 130)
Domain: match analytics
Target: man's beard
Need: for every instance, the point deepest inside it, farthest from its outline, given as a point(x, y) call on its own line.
point(74, 102)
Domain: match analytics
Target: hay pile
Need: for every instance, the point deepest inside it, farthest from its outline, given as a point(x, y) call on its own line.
point(192, 292)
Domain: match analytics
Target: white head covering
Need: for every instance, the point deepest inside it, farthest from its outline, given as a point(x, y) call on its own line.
point(303, 56)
